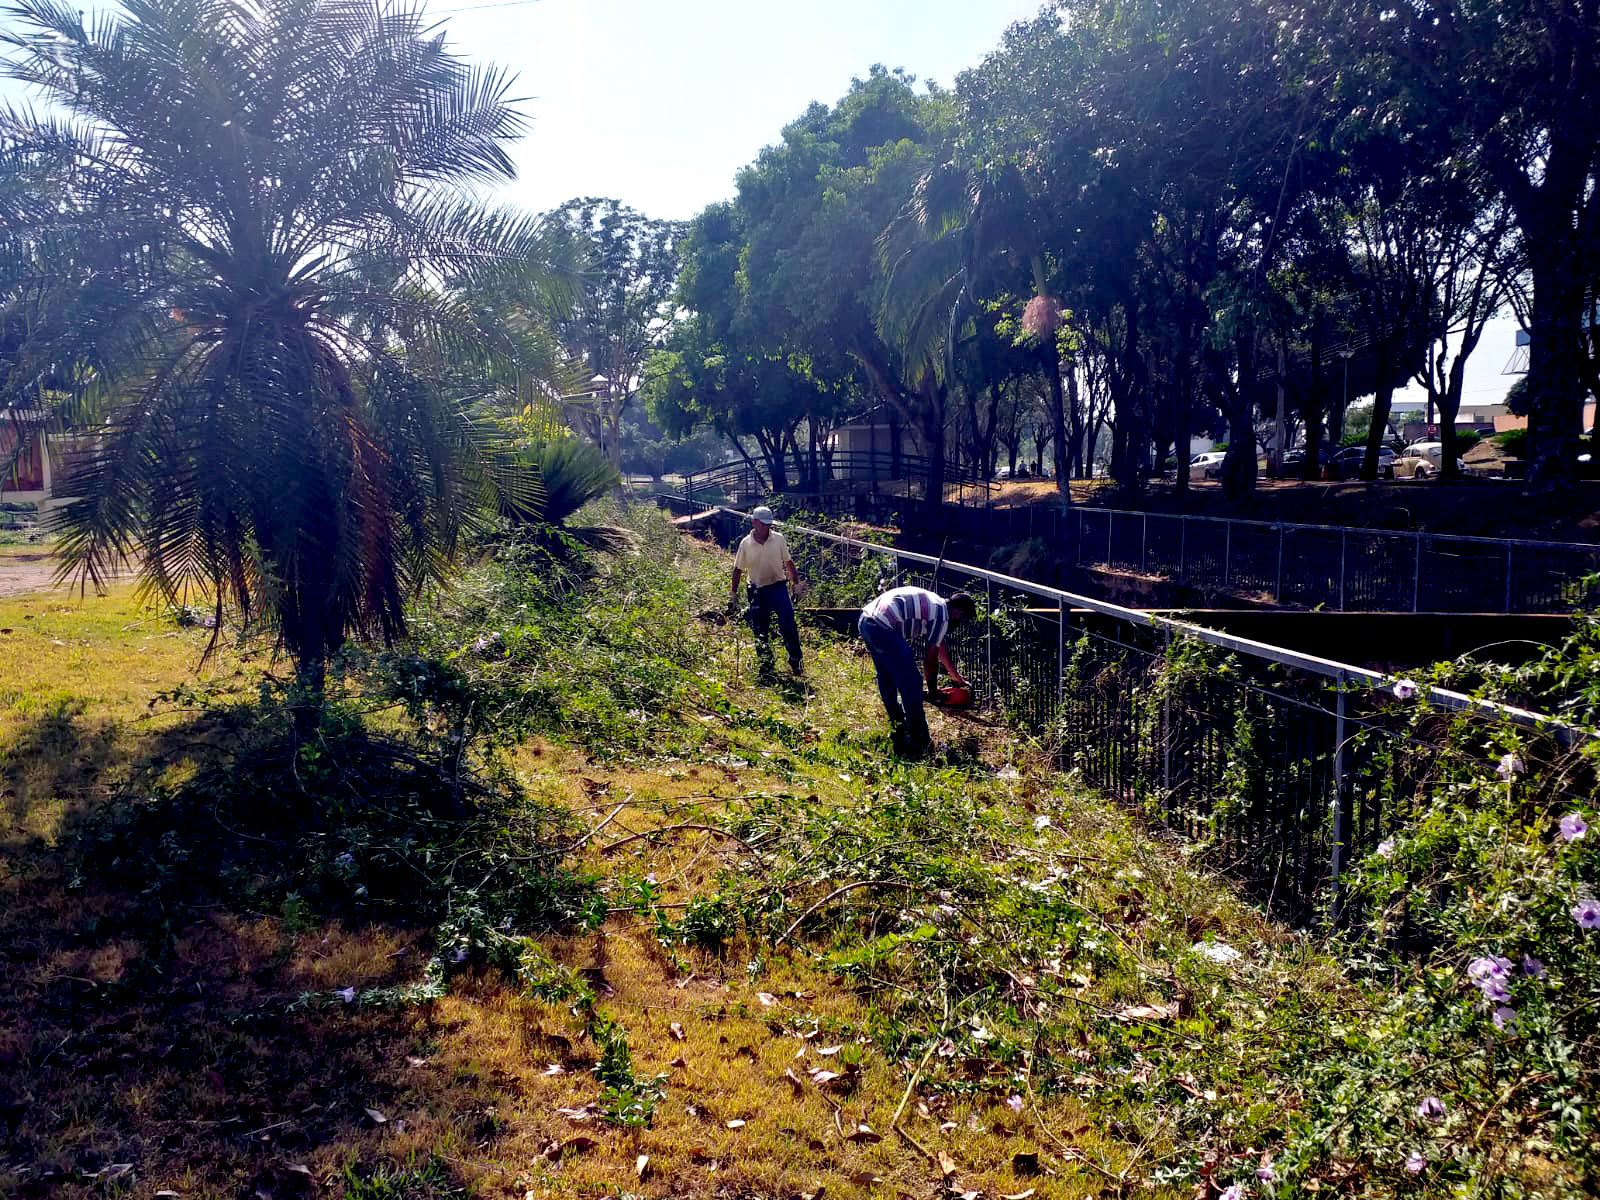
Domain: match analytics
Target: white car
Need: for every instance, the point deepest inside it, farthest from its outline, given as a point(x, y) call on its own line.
point(1421, 460)
point(1207, 465)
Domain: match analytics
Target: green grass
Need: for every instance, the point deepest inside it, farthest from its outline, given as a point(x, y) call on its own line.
point(806, 966)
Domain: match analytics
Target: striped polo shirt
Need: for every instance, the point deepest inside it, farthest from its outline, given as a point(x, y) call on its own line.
point(912, 612)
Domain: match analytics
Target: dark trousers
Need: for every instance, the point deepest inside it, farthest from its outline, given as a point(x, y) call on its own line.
point(899, 680)
point(766, 603)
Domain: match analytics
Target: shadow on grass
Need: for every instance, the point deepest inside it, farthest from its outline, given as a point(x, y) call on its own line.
point(175, 1014)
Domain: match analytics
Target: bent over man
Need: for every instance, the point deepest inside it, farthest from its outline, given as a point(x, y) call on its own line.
point(763, 559)
point(887, 626)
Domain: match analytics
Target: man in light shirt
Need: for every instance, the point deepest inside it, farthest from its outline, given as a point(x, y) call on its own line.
point(763, 562)
point(887, 625)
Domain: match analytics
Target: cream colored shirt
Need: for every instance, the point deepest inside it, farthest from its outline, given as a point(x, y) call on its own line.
point(762, 562)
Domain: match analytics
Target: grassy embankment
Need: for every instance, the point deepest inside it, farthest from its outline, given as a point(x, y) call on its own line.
point(795, 965)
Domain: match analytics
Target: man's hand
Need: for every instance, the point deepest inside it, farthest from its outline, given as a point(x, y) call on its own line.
point(800, 588)
point(733, 605)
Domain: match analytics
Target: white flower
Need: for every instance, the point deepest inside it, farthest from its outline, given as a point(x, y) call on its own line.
point(1510, 765)
point(1386, 848)
point(1014, 1103)
point(1404, 689)
point(1573, 827)
point(348, 995)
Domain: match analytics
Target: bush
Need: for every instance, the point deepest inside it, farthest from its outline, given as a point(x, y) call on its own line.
point(1477, 1075)
point(1514, 442)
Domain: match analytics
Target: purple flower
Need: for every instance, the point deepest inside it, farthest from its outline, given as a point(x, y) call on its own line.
point(1488, 966)
point(1573, 827)
point(1386, 848)
point(1505, 1017)
point(1415, 1161)
point(1234, 1191)
point(1495, 990)
point(1587, 914)
point(1014, 1103)
point(1404, 689)
point(1532, 967)
point(1510, 765)
point(1431, 1109)
point(1266, 1174)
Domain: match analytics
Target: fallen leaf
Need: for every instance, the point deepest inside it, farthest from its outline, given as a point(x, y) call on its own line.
point(1025, 1162)
point(974, 1194)
point(829, 1051)
point(1148, 1012)
point(640, 1165)
point(580, 1143)
point(862, 1133)
point(946, 1126)
point(823, 1078)
point(767, 999)
point(1016, 1195)
point(679, 1062)
point(413, 1061)
point(377, 1117)
point(736, 1123)
point(947, 1165)
point(555, 1069)
point(677, 1031)
point(794, 1081)
point(804, 995)
point(580, 1114)
point(864, 1178)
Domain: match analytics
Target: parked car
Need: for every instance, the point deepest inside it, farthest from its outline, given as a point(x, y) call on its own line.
point(1423, 460)
point(1346, 464)
point(1293, 460)
point(1207, 465)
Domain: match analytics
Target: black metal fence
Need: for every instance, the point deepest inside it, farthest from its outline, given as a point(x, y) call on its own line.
point(1285, 766)
point(844, 473)
point(1337, 568)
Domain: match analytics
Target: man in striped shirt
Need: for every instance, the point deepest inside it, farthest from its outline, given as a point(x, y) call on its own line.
point(888, 625)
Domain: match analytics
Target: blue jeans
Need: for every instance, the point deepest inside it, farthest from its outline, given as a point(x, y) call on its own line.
point(899, 679)
point(766, 603)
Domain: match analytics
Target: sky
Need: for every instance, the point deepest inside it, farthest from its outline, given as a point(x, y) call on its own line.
point(659, 104)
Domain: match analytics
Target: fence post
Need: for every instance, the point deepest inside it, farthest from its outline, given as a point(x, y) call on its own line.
point(1061, 651)
point(1111, 520)
point(1144, 545)
point(1183, 544)
point(1278, 591)
point(988, 636)
point(1078, 557)
point(1507, 607)
point(1336, 849)
point(1344, 539)
point(1416, 579)
point(1227, 552)
point(1166, 727)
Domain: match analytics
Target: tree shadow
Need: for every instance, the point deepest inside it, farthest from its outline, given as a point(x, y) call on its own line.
point(162, 1032)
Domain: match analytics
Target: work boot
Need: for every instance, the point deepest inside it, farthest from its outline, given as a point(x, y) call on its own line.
point(797, 668)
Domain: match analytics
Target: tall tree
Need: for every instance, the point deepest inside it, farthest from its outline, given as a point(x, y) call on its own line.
point(1514, 87)
point(623, 312)
point(253, 280)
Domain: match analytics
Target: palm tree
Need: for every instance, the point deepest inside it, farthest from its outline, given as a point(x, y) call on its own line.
point(253, 284)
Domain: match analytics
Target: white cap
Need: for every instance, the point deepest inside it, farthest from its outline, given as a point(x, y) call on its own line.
point(762, 514)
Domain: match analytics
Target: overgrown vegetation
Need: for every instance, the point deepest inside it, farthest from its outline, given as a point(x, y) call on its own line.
point(556, 898)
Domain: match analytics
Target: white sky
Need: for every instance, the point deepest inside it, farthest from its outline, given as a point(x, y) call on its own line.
point(659, 104)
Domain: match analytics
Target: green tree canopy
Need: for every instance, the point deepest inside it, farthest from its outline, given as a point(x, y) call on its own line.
point(252, 274)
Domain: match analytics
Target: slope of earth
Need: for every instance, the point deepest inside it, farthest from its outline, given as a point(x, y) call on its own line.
point(789, 964)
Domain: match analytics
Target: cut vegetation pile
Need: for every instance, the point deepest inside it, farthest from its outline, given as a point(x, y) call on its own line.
point(558, 902)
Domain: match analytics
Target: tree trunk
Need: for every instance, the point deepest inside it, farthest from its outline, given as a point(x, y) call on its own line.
point(1555, 374)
